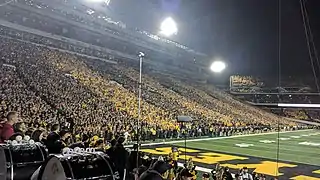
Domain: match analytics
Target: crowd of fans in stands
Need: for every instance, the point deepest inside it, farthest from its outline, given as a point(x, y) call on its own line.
point(297, 113)
point(63, 99)
point(58, 95)
point(253, 93)
point(245, 81)
point(58, 87)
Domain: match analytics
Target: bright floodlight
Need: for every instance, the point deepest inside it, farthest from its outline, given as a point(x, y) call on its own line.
point(217, 66)
point(168, 27)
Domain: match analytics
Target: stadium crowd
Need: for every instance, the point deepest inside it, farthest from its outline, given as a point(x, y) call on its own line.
point(62, 99)
point(254, 93)
point(245, 81)
point(75, 92)
point(297, 113)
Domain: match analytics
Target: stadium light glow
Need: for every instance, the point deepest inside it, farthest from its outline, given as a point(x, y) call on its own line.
point(168, 27)
point(217, 66)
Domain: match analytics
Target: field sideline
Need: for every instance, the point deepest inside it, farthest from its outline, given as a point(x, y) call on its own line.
point(298, 158)
point(215, 138)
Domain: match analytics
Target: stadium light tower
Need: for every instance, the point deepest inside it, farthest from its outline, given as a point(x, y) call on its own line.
point(141, 56)
point(217, 66)
point(168, 27)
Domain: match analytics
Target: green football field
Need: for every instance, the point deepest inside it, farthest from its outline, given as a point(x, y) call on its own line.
point(291, 146)
point(298, 156)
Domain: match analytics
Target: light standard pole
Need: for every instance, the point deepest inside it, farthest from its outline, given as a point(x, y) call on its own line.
point(141, 56)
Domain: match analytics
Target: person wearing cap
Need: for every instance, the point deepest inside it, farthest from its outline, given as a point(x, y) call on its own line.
point(205, 176)
point(175, 156)
point(172, 171)
point(185, 174)
point(245, 175)
point(227, 174)
point(158, 171)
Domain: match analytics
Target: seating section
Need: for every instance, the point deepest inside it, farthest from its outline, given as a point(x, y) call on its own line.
point(47, 85)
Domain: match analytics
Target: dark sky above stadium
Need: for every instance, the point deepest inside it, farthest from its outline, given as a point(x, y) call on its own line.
point(243, 32)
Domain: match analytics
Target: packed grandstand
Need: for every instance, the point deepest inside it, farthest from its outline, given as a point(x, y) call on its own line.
point(258, 93)
point(70, 78)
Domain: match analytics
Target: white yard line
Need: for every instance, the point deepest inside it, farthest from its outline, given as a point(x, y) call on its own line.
point(216, 138)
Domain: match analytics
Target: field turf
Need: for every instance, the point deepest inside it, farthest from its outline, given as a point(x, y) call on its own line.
point(298, 155)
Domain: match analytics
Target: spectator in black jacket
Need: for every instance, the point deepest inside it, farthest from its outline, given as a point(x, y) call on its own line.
point(54, 143)
point(20, 127)
point(185, 174)
point(37, 136)
point(19, 130)
point(227, 174)
point(111, 149)
point(120, 156)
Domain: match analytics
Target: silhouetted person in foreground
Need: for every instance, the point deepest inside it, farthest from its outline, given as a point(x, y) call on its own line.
point(120, 157)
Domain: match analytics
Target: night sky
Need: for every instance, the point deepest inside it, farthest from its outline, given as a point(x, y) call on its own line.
point(243, 32)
